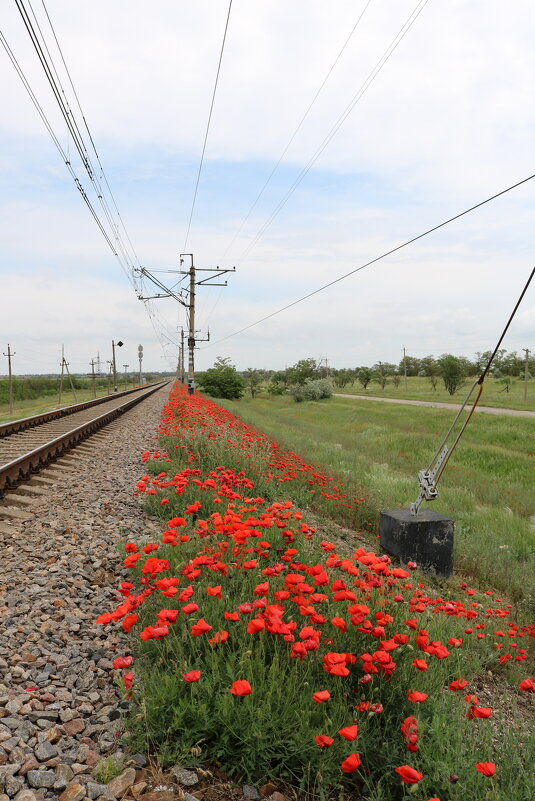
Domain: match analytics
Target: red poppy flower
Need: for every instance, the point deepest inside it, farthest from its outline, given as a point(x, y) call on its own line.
point(255, 625)
point(122, 662)
point(129, 621)
point(528, 685)
point(201, 627)
point(351, 763)
point(189, 608)
point(416, 696)
point(486, 768)
point(241, 687)
point(420, 664)
point(409, 775)
point(323, 740)
point(321, 696)
point(481, 711)
point(193, 675)
point(458, 684)
point(349, 732)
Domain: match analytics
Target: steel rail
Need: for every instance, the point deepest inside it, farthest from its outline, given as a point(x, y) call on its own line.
point(23, 467)
point(54, 414)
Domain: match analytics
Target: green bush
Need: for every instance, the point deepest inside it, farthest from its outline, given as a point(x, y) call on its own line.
point(312, 390)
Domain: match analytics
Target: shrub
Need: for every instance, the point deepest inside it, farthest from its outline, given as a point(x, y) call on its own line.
point(312, 390)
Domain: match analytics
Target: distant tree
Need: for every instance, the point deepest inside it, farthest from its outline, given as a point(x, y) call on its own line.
point(413, 366)
point(506, 382)
point(428, 366)
point(222, 380)
point(452, 372)
point(381, 371)
point(341, 378)
point(396, 380)
point(303, 369)
point(364, 376)
point(252, 380)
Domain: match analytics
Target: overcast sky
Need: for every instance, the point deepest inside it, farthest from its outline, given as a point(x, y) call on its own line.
point(447, 121)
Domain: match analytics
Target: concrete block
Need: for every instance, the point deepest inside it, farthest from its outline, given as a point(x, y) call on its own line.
point(425, 538)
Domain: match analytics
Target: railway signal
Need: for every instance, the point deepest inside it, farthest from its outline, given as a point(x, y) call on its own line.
point(119, 345)
point(140, 357)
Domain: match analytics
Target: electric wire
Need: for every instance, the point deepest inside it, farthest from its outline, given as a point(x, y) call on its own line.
point(55, 140)
point(53, 79)
point(207, 128)
point(296, 131)
point(103, 174)
point(407, 25)
point(438, 464)
point(377, 258)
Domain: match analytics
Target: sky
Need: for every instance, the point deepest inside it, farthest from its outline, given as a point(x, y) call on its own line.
point(389, 142)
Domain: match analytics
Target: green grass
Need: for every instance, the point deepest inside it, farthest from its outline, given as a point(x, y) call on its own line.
point(269, 734)
point(421, 389)
point(46, 402)
point(377, 449)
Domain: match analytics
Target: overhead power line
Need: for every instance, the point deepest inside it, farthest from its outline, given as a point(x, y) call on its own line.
point(111, 233)
point(407, 25)
point(296, 131)
point(376, 259)
point(207, 127)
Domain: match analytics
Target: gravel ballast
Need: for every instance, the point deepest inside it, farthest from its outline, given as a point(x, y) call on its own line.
point(60, 710)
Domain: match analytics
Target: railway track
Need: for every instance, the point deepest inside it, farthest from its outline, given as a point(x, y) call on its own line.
point(30, 444)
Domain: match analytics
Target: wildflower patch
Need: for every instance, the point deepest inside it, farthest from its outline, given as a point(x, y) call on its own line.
point(260, 648)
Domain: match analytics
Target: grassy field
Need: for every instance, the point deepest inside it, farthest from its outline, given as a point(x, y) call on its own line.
point(377, 449)
point(421, 389)
point(30, 407)
point(256, 686)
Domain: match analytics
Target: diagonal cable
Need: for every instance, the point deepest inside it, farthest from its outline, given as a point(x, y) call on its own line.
point(207, 127)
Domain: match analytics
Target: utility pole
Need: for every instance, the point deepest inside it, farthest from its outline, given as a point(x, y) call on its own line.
point(191, 333)
point(126, 366)
point(119, 345)
point(61, 377)
point(140, 357)
point(526, 373)
point(9, 354)
point(405, 366)
point(189, 304)
point(65, 365)
point(181, 355)
point(93, 378)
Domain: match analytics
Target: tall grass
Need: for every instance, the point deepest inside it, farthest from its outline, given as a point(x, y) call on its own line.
point(377, 449)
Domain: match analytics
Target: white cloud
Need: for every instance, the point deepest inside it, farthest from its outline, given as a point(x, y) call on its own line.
point(449, 120)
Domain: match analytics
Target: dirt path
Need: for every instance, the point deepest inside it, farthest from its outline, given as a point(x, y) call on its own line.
point(439, 405)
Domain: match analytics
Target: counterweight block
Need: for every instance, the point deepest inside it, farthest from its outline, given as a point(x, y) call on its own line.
point(425, 538)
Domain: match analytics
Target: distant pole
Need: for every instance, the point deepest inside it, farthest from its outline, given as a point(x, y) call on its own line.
point(119, 345)
point(526, 351)
point(9, 354)
point(405, 366)
point(140, 357)
point(126, 366)
point(61, 377)
point(182, 355)
point(114, 366)
point(70, 380)
point(191, 334)
point(93, 378)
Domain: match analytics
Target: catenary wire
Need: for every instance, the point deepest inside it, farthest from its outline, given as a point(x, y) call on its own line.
point(103, 174)
point(296, 131)
point(377, 258)
point(208, 317)
point(207, 128)
point(407, 25)
point(52, 76)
